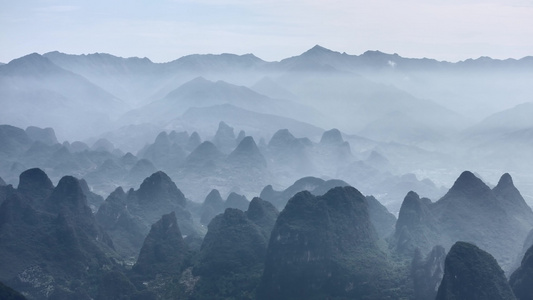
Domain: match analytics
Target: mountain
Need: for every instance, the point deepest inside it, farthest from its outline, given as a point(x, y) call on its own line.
point(415, 228)
point(235, 200)
point(13, 140)
point(504, 122)
point(32, 84)
point(247, 155)
point(471, 273)
point(231, 257)
point(268, 87)
point(521, 278)
point(311, 184)
point(356, 100)
point(51, 245)
point(126, 230)
point(159, 195)
point(201, 93)
point(461, 87)
point(204, 156)
point(8, 293)
point(45, 135)
point(324, 247)
point(131, 79)
point(427, 273)
point(224, 138)
point(164, 153)
point(212, 206)
point(163, 250)
point(496, 219)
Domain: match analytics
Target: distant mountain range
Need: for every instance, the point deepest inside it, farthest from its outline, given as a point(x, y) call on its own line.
point(358, 92)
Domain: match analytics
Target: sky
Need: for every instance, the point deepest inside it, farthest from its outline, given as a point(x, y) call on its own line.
point(164, 30)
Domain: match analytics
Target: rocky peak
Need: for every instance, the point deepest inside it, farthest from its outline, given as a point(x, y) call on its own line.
point(212, 206)
point(521, 279)
point(427, 273)
point(112, 208)
point(162, 139)
point(35, 184)
point(45, 135)
point(247, 152)
point(505, 181)
point(281, 138)
point(214, 199)
point(415, 226)
point(204, 153)
point(471, 273)
point(224, 138)
point(235, 200)
point(262, 213)
point(311, 244)
point(412, 211)
point(232, 243)
point(68, 193)
point(159, 187)
point(332, 137)
point(194, 141)
point(240, 136)
point(163, 250)
point(469, 185)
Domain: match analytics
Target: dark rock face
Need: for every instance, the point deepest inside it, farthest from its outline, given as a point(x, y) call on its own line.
point(115, 285)
point(324, 247)
point(212, 206)
point(497, 220)
point(509, 197)
point(126, 231)
point(227, 232)
point(471, 273)
point(427, 273)
point(160, 188)
point(7, 293)
point(93, 200)
point(35, 184)
point(231, 257)
point(2, 182)
point(382, 220)
point(5, 192)
point(415, 226)
point(48, 248)
point(128, 216)
point(263, 214)
point(163, 250)
point(159, 195)
point(315, 186)
point(522, 278)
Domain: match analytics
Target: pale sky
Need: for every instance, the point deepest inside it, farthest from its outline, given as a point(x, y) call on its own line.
point(164, 30)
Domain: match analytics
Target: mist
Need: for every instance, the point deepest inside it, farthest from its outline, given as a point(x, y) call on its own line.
point(217, 131)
